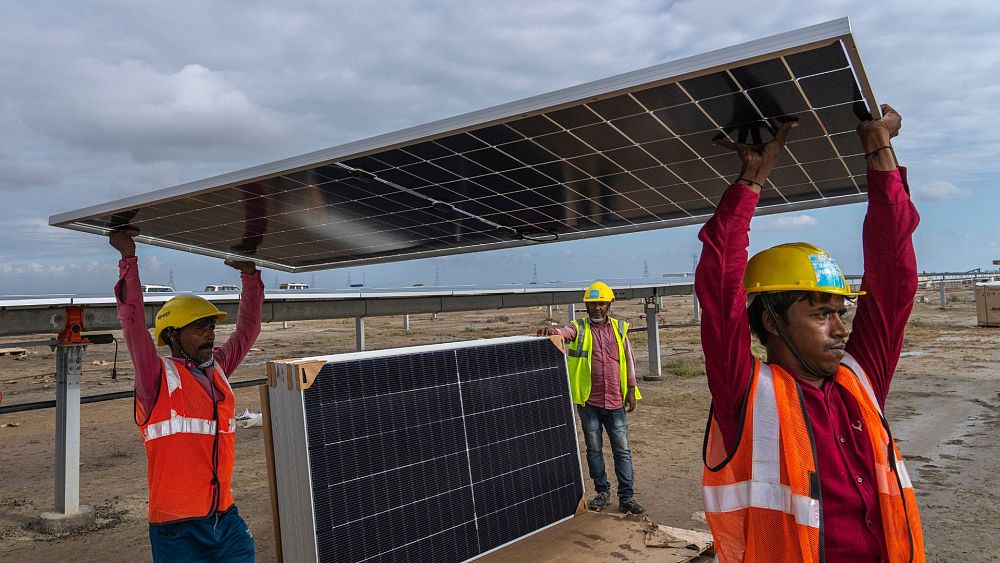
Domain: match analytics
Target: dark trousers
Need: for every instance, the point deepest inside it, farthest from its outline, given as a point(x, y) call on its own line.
point(613, 421)
point(221, 538)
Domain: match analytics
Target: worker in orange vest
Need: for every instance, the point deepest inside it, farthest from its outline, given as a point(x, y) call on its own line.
point(800, 464)
point(185, 410)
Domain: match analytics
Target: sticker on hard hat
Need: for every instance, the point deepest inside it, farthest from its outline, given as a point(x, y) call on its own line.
point(827, 270)
point(594, 294)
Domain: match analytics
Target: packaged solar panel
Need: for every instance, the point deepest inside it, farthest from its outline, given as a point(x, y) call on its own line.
point(429, 453)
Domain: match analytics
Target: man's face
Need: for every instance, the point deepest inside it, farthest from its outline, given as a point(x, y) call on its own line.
point(819, 332)
point(197, 339)
point(598, 310)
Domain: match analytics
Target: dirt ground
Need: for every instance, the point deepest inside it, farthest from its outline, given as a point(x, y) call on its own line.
point(944, 409)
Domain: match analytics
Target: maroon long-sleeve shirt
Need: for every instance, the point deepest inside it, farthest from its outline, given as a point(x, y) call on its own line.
point(851, 515)
point(140, 345)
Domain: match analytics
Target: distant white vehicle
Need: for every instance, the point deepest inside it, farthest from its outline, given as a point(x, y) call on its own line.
point(221, 288)
point(150, 288)
point(293, 286)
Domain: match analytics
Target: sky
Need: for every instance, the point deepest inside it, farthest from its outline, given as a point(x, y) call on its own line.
point(107, 99)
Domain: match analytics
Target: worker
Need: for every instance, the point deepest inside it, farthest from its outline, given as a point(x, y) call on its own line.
point(185, 410)
point(800, 464)
point(602, 382)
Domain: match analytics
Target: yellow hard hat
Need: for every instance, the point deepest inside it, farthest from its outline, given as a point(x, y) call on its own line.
point(796, 266)
point(598, 291)
point(181, 311)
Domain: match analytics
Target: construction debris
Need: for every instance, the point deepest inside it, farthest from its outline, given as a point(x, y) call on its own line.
point(13, 352)
point(658, 535)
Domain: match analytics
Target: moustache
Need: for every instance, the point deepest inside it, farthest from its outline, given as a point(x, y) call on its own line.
point(207, 346)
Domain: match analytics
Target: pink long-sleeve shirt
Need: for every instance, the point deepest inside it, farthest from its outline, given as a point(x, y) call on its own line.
point(851, 515)
point(145, 359)
point(605, 373)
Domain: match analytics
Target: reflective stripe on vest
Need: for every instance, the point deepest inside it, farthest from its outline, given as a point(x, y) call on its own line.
point(173, 378)
point(773, 496)
point(184, 425)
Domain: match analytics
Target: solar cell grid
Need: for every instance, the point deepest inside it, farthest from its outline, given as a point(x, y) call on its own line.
point(654, 135)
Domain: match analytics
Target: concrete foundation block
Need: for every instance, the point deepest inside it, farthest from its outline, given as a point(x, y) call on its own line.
point(55, 523)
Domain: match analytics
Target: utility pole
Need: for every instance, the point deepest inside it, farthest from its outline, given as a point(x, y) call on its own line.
point(171, 282)
point(534, 274)
point(437, 276)
point(645, 269)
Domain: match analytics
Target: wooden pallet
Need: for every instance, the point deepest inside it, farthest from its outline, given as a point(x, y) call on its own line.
point(13, 351)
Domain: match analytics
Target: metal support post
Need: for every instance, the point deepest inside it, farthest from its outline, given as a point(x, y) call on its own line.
point(548, 312)
point(284, 324)
point(359, 334)
point(653, 340)
point(694, 296)
point(571, 312)
point(406, 323)
point(943, 302)
point(69, 364)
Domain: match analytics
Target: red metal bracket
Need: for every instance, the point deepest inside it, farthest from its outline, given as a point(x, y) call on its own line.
point(73, 332)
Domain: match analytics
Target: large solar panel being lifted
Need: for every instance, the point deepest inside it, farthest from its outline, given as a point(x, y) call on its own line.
point(437, 453)
point(628, 153)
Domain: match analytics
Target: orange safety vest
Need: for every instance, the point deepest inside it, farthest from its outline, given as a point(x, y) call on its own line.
point(190, 443)
point(763, 502)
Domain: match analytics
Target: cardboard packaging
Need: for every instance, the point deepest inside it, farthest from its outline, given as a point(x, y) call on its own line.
point(988, 304)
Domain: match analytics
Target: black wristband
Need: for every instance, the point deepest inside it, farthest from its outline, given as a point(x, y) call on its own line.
point(752, 183)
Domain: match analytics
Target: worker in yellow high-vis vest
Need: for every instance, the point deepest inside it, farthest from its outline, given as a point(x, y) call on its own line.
point(602, 382)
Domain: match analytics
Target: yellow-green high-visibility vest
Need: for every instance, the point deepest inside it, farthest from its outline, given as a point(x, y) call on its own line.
point(580, 353)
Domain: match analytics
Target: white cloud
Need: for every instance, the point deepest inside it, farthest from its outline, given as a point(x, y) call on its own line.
point(937, 191)
point(152, 114)
point(152, 264)
point(32, 268)
point(784, 223)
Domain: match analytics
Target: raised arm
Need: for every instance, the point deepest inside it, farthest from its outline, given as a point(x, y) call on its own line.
point(725, 332)
point(132, 315)
point(248, 319)
point(890, 276)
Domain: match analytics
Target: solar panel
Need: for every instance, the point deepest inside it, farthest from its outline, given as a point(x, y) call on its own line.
point(628, 153)
point(433, 453)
